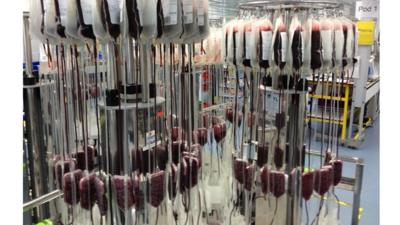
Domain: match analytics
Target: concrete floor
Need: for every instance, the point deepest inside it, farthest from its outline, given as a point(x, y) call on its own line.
point(369, 152)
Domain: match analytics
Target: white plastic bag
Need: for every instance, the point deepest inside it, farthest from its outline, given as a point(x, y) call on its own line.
point(327, 40)
point(35, 20)
point(172, 10)
point(148, 19)
point(99, 26)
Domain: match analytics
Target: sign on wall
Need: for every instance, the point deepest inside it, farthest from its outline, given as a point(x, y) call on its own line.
point(367, 9)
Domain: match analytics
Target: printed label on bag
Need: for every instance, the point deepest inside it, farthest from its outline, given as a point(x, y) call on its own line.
point(170, 10)
point(200, 12)
point(266, 44)
point(114, 7)
point(248, 46)
point(187, 11)
point(62, 5)
point(284, 39)
point(86, 11)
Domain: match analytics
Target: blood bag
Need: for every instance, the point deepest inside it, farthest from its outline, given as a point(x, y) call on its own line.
point(99, 23)
point(339, 41)
point(50, 18)
point(247, 43)
point(85, 18)
point(306, 35)
point(148, 19)
point(134, 23)
point(295, 53)
point(230, 52)
point(202, 19)
point(238, 44)
point(265, 42)
point(61, 12)
point(316, 46)
point(72, 24)
point(36, 20)
point(190, 27)
point(280, 43)
point(172, 10)
point(113, 16)
point(327, 40)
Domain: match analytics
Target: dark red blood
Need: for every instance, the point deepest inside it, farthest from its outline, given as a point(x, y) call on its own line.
point(307, 181)
point(94, 91)
point(297, 49)
point(223, 130)
point(229, 114)
point(162, 156)
point(239, 168)
point(80, 157)
point(330, 175)
point(337, 171)
point(63, 167)
point(264, 180)
point(157, 188)
point(316, 49)
point(100, 195)
point(206, 120)
point(123, 191)
point(195, 152)
point(54, 160)
point(177, 149)
point(322, 180)
point(262, 155)
point(87, 191)
point(71, 186)
point(175, 133)
point(280, 120)
point(249, 177)
point(191, 178)
point(277, 183)
point(218, 132)
point(183, 173)
point(278, 157)
point(200, 136)
point(277, 47)
point(144, 161)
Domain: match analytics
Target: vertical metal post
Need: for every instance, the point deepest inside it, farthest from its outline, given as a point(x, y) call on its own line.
point(359, 90)
point(357, 193)
point(27, 46)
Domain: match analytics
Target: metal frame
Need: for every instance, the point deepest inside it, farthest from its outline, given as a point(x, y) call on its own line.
point(343, 121)
point(353, 184)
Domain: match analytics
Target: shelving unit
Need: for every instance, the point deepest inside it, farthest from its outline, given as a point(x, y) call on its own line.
point(342, 121)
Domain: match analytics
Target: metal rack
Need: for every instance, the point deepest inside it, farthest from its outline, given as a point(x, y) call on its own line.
point(353, 184)
point(290, 4)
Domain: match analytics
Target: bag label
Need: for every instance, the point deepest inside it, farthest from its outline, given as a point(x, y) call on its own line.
point(86, 12)
point(187, 11)
point(170, 10)
point(114, 8)
point(266, 44)
point(62, 5)
point(247, 45)
point(284, 38)
point(200, 12)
